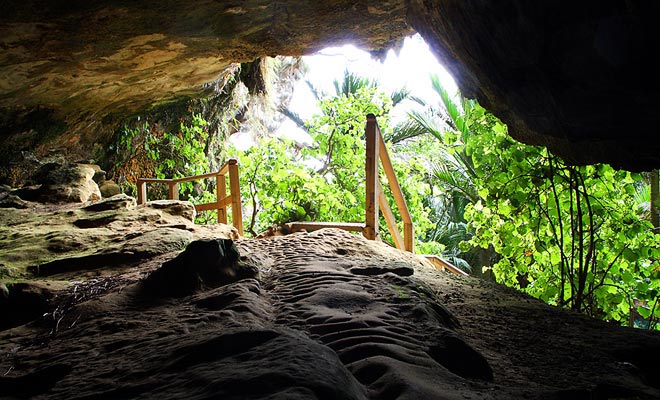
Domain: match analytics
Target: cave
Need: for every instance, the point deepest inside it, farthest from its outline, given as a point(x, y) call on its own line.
point(137, 301)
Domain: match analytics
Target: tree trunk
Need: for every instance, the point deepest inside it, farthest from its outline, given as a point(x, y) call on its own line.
point(486, 258)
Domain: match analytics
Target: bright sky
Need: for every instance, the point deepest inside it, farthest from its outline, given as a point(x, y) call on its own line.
point(411, 68)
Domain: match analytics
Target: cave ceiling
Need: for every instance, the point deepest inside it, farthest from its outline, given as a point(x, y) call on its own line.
point(578, 77)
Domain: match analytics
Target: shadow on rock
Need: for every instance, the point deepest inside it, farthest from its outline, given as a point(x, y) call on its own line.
point(204, 263)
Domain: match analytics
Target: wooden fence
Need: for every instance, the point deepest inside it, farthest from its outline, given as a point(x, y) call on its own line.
point(376, 200)
point(223, 199)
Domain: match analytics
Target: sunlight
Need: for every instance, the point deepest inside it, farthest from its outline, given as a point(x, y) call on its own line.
point(411, 68)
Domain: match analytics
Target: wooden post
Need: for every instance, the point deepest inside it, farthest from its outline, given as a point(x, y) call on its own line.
point(221, 193)
point(371, 217)
point(173, 190)
point(409, 243)
point(141, 191)
point(235, 192)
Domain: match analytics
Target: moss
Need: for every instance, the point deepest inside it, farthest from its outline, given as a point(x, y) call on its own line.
point(400, 291)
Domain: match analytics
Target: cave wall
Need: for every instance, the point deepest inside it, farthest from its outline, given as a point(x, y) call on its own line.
point(70, 72)
point(578, 77)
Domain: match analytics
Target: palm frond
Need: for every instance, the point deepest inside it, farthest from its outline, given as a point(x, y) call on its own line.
point(426, 122)
point(407, 129)
point(457, 115)
point(404, 93)
point(453, 178)
point(293, 116)
point(351, 83)
point(318, 93)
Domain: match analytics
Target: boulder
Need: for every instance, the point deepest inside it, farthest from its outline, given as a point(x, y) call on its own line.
point(116, 202)
point(12, 201)
point(99, 174)
point(174, 207)
point(58, 183)
point(209, 262)
point(109, 188)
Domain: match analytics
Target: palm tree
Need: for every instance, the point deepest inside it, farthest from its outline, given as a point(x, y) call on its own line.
point(452, 171)
point(350, 84)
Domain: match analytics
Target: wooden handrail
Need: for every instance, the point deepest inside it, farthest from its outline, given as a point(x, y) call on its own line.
point(375, 197)
point(376, 150)
point(376, 200)
point(442, 265)
point(223, 200)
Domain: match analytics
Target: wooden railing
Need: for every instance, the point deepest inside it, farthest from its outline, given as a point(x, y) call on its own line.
point(376, 152)
point(223, 200)
point(376, 200)
point(443, 265)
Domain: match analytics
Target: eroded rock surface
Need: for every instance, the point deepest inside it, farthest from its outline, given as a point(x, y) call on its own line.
point(59, 184)
point(47, 241)
point(329, 315)
point(556, 73)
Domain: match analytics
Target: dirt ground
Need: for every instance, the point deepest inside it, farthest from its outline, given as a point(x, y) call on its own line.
point(322, 315)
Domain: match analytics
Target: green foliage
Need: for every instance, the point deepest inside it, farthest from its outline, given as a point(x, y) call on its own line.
point(450, 173)
point(576, 237)
point(284, 183)
point(272, 181)
point(568, 235)
point(148, 151)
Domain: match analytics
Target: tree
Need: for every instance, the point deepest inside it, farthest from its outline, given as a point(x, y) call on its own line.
point(569, 235)
point(452, 173)
point(349, 85)
point(326, 181)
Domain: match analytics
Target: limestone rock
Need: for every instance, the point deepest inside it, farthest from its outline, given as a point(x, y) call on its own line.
point(57, 183)
point(23, 302)
point(212, 262)
point(137, 246)
point(115, 202)
point(556, 74)
point(154, 242)
point(109, 188)
point(566, 76)
point(13, 201)
point(99, 174)
point(110, 232)
point(35, 383)
point(329, 315)
point(174, 207)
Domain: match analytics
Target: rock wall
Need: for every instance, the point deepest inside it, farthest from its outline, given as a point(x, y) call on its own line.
point(578, 78)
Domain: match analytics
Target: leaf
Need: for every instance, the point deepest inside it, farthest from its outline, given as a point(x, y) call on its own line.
point(630, 255)
point(643, 312)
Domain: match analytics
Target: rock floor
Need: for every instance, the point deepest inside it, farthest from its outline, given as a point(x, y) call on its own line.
point(328, 315)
